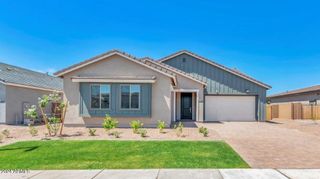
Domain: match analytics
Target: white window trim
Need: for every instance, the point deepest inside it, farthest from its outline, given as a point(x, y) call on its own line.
point(100, 97)
point(133, 109)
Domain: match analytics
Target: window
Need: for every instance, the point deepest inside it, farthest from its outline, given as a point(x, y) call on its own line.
point(130, 96)
point(100, 96)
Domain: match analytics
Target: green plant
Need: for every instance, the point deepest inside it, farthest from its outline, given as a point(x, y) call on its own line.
point(54, 124)
point(204, 131)
point(136, 125)
point(109, 123)
point(161, 125)
point(143, 132)
point(179, 129)
point(31, 112)
point(116, 134)
point(92, 132)
point(6, 133)
point(32, 130)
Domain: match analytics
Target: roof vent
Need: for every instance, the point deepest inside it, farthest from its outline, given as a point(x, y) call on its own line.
point(10, 69)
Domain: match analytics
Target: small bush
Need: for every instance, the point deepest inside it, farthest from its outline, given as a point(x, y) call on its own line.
point(92, 132)
point(33, 131)
point(204, 131)
point(109, 123)
point(116, 134)
point(161, 125)
point(143, 132)
point(179, 129)
point(6, 133)
point(1, 138)
point(136, 125)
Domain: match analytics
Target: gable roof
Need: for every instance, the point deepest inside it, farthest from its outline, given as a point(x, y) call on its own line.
point(232, 71)
point(170, 69)
point(297, 91)
point(17, 76)
point(108, 54)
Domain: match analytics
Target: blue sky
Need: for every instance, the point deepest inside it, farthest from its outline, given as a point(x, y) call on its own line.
point(277, 42)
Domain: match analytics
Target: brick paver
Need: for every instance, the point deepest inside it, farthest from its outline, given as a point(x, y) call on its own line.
point(273, 145)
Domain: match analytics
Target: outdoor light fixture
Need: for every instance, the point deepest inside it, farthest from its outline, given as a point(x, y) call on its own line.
point(247, 90)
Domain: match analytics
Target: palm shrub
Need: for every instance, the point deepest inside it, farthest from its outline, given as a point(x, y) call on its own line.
point(109, 123)
point(179, 129)
point(204, 131)
point(6, 133)
point(161, 125)
point(136, 125)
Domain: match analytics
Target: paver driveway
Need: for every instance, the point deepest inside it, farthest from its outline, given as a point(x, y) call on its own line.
point(285, 144)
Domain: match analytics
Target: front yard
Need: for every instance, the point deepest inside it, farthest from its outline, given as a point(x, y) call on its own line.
point(110, 154)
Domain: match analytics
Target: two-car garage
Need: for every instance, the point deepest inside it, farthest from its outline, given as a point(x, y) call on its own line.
point(230, 108)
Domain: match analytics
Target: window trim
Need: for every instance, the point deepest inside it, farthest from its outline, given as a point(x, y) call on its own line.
point(99, 84)
point(131, 109)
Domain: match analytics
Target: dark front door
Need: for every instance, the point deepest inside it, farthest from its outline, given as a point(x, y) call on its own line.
point(186, 105)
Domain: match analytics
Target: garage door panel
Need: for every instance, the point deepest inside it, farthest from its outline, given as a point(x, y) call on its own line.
point(230, 108)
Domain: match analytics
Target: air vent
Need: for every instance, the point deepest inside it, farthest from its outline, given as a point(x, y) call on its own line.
point(184, 60)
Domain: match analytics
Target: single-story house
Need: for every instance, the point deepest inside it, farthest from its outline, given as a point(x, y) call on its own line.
point(309, 95)
point(181, 86)
point(21, 88)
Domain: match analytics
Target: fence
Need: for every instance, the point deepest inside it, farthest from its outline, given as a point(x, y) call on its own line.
point(293, 111)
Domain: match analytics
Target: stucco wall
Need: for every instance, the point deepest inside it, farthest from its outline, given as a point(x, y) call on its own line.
point(2, 92)
point(119, 66)
point(15, 97)
point(302, 97)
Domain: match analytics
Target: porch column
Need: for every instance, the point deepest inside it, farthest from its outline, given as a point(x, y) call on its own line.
point(174, 106)
point(197, 106)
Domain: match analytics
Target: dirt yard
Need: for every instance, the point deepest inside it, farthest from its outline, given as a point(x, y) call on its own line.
point(21, 133)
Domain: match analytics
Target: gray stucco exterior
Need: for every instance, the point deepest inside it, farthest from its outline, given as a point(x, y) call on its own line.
point(2, 93)
point(221, 82)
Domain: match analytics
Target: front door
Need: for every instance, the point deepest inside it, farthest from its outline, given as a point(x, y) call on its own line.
point(186, 105)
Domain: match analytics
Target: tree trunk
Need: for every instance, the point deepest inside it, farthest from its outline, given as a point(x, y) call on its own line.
point(45, 119)
point(63, 115)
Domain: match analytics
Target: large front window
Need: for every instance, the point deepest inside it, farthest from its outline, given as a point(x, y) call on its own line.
point(130, 96)
point(100, 96)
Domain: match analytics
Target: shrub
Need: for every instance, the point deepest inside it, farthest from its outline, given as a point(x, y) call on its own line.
point(1, 138)
point(92, 132)
point(109, 123)
point(204, 131)
point(31, 112)
point(179, 129)
point(54, 124)
point(6, 133)
point(116, 134)
point(136, 125)
point(161, 125)
point(32, 130)
point(143, 132)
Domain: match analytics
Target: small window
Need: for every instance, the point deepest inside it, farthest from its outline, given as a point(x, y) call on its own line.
point(130, 96)
point(100, 96)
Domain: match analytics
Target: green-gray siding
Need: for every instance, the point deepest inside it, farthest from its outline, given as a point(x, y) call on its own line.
point(145, 102)
point(220, 81)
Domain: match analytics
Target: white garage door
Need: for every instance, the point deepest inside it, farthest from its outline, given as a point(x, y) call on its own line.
point(230, 108)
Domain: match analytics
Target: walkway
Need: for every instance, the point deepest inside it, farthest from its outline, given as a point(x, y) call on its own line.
point(169, 174)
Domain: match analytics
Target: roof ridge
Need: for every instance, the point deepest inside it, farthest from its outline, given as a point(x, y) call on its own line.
point(295, 91)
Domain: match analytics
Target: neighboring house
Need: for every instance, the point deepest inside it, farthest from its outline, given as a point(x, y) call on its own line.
point(309, 95)
point(178, 87)
point(20, 88)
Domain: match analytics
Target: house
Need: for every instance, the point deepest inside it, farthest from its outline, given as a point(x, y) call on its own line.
point(181, 86)
point(21, 88)
point(309, 95)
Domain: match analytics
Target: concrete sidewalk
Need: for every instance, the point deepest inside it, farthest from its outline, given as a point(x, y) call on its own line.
point(168, 174)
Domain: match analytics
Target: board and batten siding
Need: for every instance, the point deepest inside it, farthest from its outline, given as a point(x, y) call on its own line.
point(114, 110)
point(219, 81)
